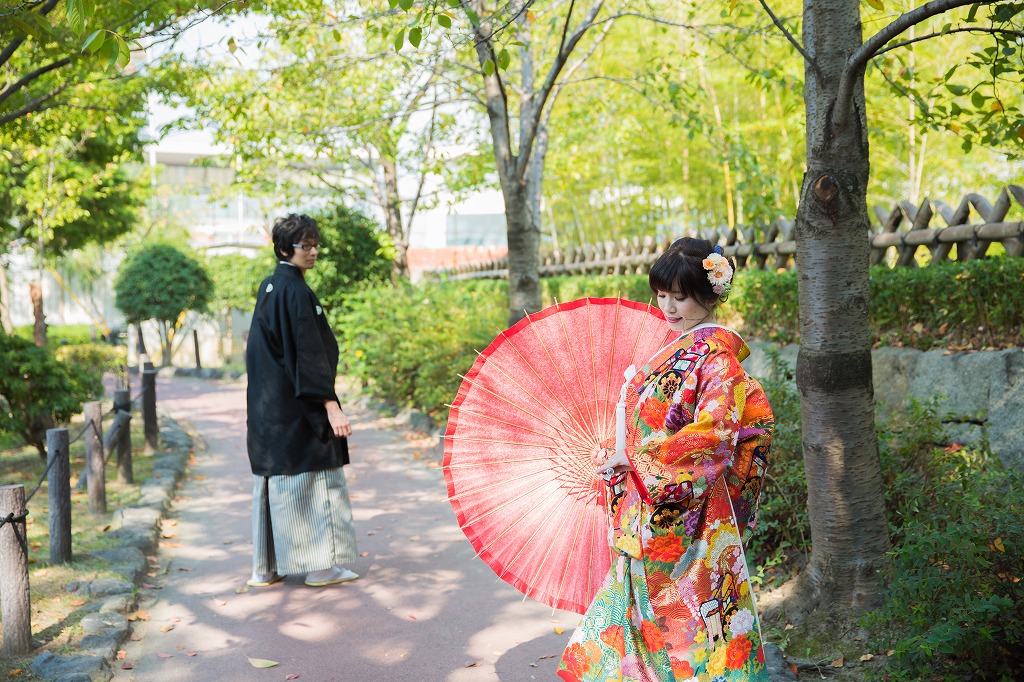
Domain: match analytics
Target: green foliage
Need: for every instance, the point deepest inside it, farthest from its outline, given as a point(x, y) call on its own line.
point(235, 277)
point(161, 282)
point(631, 287)
point(976, 304)
point(970, 305)
point(408, 344)
point(86, 364)
point(783, 526)
point(36, 391)
point(60, 334)
point(952, 609)
point(358, 254)
point(766, 305)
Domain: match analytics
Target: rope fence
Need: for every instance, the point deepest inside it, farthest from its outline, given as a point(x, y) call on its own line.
point(99, 447)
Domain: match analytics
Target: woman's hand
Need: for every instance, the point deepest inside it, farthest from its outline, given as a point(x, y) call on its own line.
point(340, 424)
point(605, 458)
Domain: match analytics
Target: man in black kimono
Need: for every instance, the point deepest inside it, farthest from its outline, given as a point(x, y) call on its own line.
point(297, 433)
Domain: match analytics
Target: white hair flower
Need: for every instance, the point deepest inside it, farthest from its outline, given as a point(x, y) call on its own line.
point(719, 273)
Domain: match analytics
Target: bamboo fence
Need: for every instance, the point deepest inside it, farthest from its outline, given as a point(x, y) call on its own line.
point(896, 240)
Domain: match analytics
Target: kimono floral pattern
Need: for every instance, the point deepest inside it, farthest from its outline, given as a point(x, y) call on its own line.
point(677, 603)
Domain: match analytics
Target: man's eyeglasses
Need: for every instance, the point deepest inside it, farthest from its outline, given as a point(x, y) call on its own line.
point(309, 247)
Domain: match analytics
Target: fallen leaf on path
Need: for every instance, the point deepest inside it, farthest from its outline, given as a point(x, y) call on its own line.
point(184, 568)
point(174, 619)
point(149, 587)
point(170, 522)
point(135, 638)
point(127, 666)
point(180, 647)
point(170, 545)
point(371, 532)
point(793, 667)
point(415, 538)
point(789, 626)
point(559, 631)
point(228, 542)
point(261, 662)
point(544, 657)
point(412, 617)
point(138, 615)
point(838, 663)
point(890, 652)
point(78, 602)
point(360, 554)
point(472, 664)
point(241, 590)
point(190, 654)
point(293, 676)
point(163, 655)
point(166, 628)
point(866, 657)
point(199, 477)
point(219, 602)
point(168, 534)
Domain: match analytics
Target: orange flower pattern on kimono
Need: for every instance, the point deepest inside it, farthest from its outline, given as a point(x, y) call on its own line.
point(677, 602)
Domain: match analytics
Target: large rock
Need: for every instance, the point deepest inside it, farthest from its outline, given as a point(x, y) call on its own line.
point(980, 394)
point(51, 667)
point(136, 516)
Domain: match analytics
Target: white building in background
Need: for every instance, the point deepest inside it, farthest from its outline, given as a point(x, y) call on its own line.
point(193, 193)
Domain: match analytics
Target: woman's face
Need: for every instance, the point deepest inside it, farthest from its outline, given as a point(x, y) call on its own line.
point(682, 312)
point(305, 259)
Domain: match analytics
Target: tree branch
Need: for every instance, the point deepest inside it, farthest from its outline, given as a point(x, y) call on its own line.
point(31, 76)
point(857, 62)
point(966, 29)
point(541, 96)
point(791, 38)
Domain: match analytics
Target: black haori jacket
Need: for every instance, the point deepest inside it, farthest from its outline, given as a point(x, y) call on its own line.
point(292, 363)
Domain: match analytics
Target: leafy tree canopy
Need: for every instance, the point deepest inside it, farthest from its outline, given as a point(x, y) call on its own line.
point(160, 282)
point(358, 252)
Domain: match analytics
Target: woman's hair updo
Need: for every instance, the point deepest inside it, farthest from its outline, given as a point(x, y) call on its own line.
point(681, 269)
point(292, 229)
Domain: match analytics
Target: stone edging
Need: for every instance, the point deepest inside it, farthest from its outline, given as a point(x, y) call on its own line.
point(111, 599)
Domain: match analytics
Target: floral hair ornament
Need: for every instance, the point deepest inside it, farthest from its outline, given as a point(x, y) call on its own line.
point(719, 272)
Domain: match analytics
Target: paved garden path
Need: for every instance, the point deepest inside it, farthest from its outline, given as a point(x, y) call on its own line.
point(424, 609)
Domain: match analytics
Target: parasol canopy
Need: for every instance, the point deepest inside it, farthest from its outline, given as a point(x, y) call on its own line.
point(517, 451)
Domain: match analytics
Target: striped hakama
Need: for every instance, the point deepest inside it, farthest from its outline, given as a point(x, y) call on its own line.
point(301, 523)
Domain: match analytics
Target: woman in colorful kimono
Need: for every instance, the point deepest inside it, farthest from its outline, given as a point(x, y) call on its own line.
point(677, 604)
point(297, 433)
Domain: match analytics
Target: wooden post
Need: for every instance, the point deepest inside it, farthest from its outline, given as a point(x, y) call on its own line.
point(195, 344)
point(59, 489)
point(123, 404)
point(96, 478)
point(149, 409)
point(15, 606)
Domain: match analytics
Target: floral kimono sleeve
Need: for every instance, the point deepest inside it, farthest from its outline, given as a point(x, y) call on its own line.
point(681, 466)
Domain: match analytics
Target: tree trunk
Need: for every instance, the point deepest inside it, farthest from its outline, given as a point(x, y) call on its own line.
point(5, 298)
point(35, 292)
point(523, 246)
point(393, 218)
point(166, 342)
point(849, 533)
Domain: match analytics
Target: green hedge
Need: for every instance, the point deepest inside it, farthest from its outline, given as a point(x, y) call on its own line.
point(408, 344)
point(58, 334)
point(973, 305)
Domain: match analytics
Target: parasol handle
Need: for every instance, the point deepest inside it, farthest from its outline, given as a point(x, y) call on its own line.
point(620, 428)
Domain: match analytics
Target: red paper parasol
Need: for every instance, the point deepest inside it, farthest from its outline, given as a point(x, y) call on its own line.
point(517, 452)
